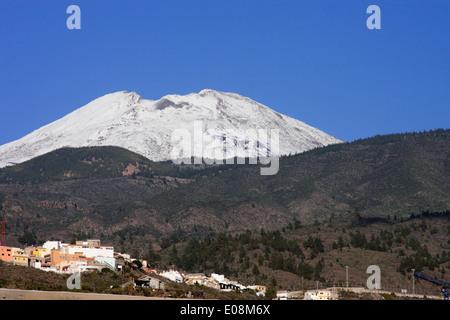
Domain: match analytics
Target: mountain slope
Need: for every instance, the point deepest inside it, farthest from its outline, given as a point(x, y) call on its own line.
point(148, 128)
point(83, 163)
point(393, 175)
point(386, 175)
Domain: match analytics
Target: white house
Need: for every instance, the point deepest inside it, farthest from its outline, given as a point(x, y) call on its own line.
point(218, 277)
point(310, 295)
point(90, 252)
point(49, 245)
point(172, 275)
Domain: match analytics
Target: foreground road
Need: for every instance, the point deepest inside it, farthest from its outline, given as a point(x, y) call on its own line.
point(16, 294)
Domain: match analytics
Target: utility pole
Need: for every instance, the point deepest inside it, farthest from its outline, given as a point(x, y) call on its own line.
point(346, 275)
point(414, 289)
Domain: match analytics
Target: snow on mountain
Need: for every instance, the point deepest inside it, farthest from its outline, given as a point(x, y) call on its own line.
point(154, 128)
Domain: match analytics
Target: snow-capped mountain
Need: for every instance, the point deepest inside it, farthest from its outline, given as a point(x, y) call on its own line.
point(160, 129)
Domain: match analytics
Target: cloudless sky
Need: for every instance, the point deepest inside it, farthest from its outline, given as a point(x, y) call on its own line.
point(313, 60)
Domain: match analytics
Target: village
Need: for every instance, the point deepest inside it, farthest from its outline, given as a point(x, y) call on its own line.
point(91, 256)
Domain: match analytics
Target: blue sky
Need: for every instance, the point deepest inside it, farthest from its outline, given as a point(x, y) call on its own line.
point(313, 60)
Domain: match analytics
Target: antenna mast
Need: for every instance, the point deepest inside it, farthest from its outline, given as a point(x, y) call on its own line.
point(3, 231)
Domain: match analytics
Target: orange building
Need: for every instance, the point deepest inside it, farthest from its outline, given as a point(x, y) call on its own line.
point(6, 253)
point(56, 257)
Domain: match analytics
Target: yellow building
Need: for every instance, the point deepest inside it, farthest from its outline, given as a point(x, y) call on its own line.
point(320, 295)
point(40, 252)
point(195, 278)
point(20, 258)
point(324, 295)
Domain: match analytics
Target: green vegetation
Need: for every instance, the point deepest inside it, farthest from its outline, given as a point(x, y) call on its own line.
point(314, 253)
